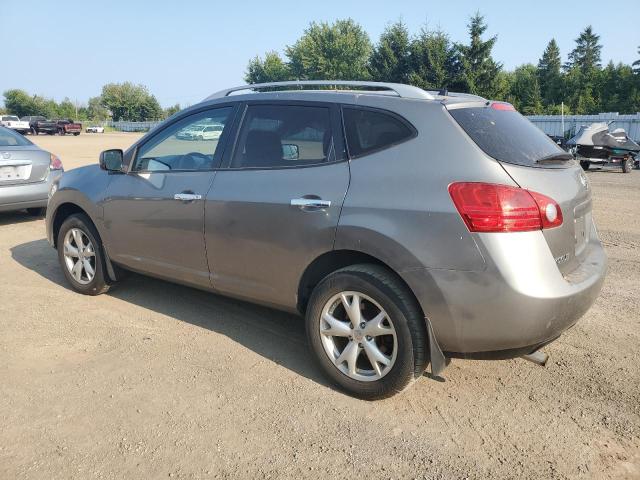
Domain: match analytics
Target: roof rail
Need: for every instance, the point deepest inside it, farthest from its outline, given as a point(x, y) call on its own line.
point(401, 90)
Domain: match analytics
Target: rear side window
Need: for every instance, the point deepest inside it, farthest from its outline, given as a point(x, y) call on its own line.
point(505, 135)
point(370, 130)
point(284, 136)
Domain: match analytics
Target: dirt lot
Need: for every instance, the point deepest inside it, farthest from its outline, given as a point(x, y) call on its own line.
point(155, 380)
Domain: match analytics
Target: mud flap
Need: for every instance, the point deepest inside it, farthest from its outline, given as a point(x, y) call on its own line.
point(110, 270)
point(437, 358)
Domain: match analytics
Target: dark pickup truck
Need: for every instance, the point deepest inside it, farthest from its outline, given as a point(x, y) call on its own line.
point(68, 126)
point(39, 124)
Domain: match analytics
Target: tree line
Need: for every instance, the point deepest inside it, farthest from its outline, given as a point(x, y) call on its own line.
point(430, 59)
point(117, 101)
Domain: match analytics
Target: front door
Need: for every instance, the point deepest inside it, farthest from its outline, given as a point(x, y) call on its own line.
point(154, 214)
point(276, 207)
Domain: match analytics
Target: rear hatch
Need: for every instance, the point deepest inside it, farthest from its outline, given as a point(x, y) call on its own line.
point(535, 163)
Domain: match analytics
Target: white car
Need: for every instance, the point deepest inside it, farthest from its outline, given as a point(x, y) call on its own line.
point(14, 123)
point(201, 132)
point(94, 129)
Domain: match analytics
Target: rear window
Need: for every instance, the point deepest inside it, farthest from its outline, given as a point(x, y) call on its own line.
point(8, 138)
point(505, 135)
point(370, 130)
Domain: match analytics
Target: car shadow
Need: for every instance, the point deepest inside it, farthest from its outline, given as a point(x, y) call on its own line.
point(276, 336)
point(19, 216)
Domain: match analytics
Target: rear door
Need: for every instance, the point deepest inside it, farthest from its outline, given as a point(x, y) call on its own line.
point(275, 208)
point(536, 163)
point(154, 214)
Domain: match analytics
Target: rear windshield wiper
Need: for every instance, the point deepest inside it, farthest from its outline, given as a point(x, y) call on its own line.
point(556, 157)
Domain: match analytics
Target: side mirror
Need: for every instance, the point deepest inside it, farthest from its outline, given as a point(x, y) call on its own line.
point(290, 151)
point(111, 160)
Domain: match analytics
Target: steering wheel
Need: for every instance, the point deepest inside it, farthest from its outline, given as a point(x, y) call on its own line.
point(194, 155)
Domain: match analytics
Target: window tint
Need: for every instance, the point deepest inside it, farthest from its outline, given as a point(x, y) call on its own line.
point(185, 145)
point(284, 135)
point(370, 130)
point(505, 135)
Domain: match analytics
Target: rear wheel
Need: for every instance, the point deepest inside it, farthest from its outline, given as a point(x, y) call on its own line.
point(367, 331)
point(81, 255)
point(627, 165)
point(37, 212)
point(76, 134)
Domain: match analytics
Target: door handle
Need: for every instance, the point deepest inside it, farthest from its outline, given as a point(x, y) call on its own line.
point(187, 197)
point(310, 203)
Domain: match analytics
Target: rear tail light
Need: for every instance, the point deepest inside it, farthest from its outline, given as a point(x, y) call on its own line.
point(55, 163)
point(486, 207)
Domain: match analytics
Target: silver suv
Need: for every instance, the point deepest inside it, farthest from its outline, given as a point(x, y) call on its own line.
point(407, 227)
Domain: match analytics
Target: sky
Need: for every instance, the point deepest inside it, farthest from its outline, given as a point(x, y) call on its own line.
point(184, 50)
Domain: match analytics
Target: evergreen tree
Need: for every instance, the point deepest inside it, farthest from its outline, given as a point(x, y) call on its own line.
point(431, 60)
point(390, 58)
point(476, 65)
point(586, 54)
point(550, 74)
point(636, 64)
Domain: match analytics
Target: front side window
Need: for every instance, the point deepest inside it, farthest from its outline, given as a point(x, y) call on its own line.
point(284, 136)
point(370, 130)
point(185, 145)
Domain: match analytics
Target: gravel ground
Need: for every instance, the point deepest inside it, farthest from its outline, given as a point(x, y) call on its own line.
point(155, 380)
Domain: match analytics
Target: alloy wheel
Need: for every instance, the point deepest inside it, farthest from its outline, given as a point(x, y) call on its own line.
point(79, 256)
point(358, 336)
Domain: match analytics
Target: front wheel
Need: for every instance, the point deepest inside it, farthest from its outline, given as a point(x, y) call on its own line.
point(367, 331)
point(76, 134)
point(81, 255)
point(627, 165)
point(585, 165)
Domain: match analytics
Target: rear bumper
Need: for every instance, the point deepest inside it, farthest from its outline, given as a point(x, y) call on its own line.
point(31, 195)
point(521, 301)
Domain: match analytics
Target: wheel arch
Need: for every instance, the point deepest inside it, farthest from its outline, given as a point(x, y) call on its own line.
point(62, 212)
point(333, 260)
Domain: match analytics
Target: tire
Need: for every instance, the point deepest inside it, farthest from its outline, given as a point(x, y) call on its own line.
point(37, 212)
point(380, 292)
point(585, 165)
point(61, 133)
point(99, 283)
point(76, 134)
point(627, 165)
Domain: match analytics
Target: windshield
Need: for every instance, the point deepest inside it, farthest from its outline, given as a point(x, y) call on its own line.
point(10, 118)
point(506, 135)
point(9, 138)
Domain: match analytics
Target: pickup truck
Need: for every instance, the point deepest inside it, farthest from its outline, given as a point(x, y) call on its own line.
point(40, 124)
point(14, 123)
point(68, 126)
